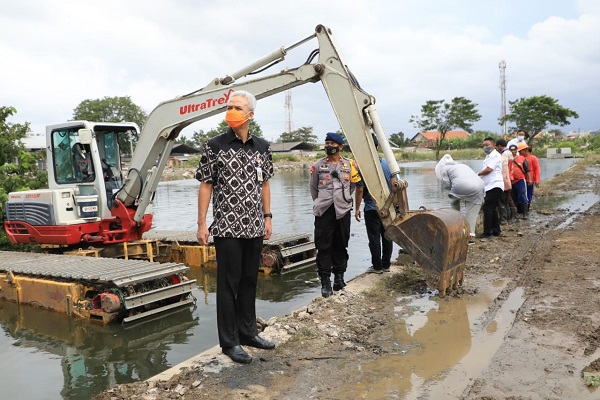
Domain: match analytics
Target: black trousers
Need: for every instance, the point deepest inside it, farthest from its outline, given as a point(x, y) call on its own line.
point(331, 242)
point(237, 275)
point(380, 247)
point(491, 221)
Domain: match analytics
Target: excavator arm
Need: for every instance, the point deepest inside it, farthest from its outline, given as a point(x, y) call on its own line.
point(436, 239)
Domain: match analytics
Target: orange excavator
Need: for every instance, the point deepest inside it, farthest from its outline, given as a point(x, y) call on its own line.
point(90, 201)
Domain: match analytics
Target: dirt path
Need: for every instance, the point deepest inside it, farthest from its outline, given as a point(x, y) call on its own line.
point(525, 325)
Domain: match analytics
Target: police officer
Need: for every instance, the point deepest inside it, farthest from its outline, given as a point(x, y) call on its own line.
point(332, 182)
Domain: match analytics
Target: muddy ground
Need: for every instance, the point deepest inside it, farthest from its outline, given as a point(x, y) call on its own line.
point(525, 324)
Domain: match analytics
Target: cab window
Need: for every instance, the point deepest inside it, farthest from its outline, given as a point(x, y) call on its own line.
point(72, 160)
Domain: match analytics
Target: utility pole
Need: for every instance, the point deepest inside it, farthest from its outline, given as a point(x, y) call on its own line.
point(502, 66)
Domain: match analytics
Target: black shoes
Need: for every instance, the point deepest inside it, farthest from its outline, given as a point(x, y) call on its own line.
point(326, 287)
point(338, 282)
point(237, 354)
point(489, 235)
point(257, 342)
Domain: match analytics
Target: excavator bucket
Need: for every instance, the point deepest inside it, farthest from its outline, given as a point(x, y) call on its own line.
point(438, 242)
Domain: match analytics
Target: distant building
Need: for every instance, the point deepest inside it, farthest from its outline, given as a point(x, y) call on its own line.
point(428, 139)
point(291, 147)
point(180, 153)
point(578, 134)
point(394, 146)
point(36, 142)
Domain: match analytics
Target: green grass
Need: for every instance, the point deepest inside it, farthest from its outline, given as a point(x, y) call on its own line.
point(278, 157)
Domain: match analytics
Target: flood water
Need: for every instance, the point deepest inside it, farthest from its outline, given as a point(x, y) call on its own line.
point(47, 355)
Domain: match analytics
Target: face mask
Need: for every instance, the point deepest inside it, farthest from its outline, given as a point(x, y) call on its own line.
point(488, 149)
point(521, 138)
point(331, 150)
point(235, 118)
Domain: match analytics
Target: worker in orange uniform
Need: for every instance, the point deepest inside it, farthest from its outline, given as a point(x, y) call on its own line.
point(520, 176)
point(534, 167)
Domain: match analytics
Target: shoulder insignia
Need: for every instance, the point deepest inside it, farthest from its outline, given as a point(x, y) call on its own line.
point(354, 175)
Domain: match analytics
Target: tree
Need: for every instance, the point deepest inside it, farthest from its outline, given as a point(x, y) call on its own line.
point(10, 135)
point(534, 114)
point(398, 139)
point(112, 109)
point(18, 167)
point(304, 134)
point(185, 140)
point(200, 137)
point(437, 115)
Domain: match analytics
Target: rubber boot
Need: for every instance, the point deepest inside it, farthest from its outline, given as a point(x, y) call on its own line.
point(326, 287)
point(512, 212)
point(338, 281)
point(502, 212)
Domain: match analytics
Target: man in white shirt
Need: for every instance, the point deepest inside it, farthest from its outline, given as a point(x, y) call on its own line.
point(494, 187)
point(520, 136)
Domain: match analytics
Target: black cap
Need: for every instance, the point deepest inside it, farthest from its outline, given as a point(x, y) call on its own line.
point(334, 137)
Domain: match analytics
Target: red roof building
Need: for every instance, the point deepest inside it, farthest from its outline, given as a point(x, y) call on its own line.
point(428, 139)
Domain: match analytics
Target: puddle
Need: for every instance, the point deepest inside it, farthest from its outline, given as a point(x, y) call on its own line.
point(576, 205)
point(429, 339)
point(484, 345)
point(568, 202)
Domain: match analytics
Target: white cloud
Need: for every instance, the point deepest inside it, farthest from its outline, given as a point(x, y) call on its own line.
point(62, 53)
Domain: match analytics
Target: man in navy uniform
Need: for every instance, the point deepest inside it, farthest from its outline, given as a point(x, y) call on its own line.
point(332, 182)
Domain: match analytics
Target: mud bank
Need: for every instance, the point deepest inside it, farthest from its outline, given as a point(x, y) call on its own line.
point(525, 324)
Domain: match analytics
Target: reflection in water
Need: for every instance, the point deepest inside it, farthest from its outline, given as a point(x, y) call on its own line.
point(92, 356)
point(272, 288)
point(426, 338)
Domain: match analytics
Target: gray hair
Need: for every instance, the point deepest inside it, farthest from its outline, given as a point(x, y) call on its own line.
point(247, 95)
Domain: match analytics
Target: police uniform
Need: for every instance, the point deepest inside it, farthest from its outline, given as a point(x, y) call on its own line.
point(331, 188)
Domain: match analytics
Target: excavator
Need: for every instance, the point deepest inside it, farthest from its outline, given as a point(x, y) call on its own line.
point(89, 199)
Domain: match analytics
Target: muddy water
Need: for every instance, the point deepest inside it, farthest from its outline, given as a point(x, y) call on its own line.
point(437, 342)
point(74, 359)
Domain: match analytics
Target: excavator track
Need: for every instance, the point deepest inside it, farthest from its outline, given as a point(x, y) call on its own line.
point(97, 288)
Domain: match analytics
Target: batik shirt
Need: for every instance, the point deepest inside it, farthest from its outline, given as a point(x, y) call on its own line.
point(237, 171)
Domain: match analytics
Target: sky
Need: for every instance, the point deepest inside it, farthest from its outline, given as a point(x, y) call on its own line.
point(56, 54)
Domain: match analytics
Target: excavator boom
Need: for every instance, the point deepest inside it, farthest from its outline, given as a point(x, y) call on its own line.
point(436, 239)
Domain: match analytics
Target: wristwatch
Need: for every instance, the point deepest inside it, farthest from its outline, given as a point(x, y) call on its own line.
point(268, 215)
